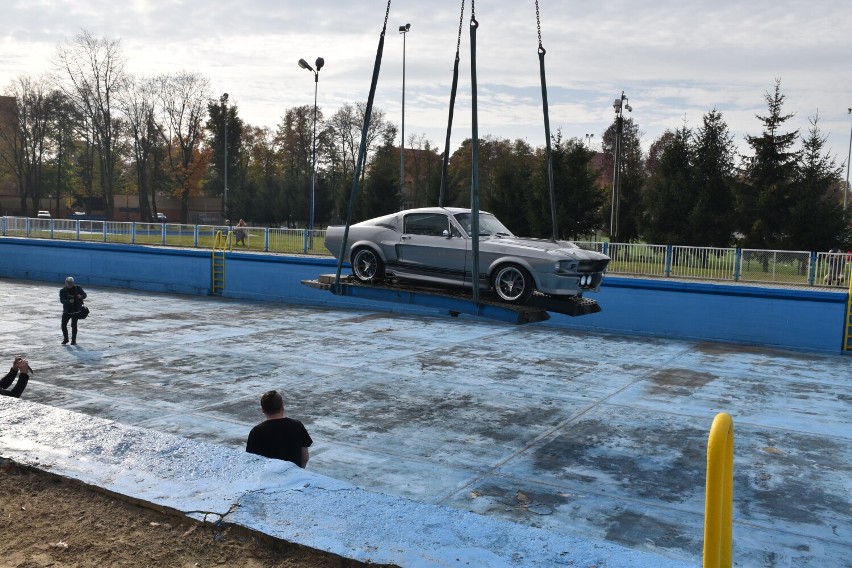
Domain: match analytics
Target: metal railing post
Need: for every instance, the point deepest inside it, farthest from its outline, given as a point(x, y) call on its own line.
point(812, 268)
point(104, 225)
point(668, 261)
point(738, 264)
point(266, 239)
point(195, 235)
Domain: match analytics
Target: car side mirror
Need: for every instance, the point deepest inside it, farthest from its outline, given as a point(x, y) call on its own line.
point(446, 234)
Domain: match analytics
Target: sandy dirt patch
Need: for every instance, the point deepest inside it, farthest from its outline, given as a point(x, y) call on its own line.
point(47, 520)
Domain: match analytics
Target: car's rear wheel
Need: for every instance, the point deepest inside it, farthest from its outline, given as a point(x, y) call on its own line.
point(367, 265)
point(512, 283)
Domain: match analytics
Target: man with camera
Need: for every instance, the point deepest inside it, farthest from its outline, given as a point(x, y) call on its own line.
point(72, 297)
point(20, 365)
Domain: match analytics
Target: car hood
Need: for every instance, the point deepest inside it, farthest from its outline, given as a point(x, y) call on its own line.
point(559, 249)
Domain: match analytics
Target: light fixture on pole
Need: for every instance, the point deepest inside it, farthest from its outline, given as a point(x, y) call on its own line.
point(225, 168)
point(309, 234)
point(619, 105)
point(404, 31)
point(589, 139)
point(848, 156)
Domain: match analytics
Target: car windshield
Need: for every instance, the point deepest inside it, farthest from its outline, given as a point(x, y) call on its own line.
point(488, 224)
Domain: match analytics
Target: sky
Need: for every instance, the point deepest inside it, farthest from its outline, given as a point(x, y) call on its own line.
point(674, 60)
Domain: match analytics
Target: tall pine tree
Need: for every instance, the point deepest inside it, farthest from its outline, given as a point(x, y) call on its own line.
point(764, 201)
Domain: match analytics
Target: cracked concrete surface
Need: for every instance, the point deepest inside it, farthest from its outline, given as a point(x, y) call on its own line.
point(596, 436)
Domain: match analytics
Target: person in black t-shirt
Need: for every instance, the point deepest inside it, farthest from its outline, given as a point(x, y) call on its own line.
point(278, 437)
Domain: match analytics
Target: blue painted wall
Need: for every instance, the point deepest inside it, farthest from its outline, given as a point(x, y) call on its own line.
point(796, 319)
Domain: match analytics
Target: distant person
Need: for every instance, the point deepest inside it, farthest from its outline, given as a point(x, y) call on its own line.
point(72, 297)
point(241, 233)
point(835, 267)
point(21, 368)
point(278, 437)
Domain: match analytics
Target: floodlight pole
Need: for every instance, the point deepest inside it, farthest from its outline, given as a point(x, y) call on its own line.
point(309, 235)
point(225, 165)
point(848, 156)
point(619, 105)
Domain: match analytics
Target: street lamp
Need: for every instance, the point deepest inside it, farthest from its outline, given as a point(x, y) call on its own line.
point(589, 139)
point(225, 168)
point(304, 65)
point(619, 105)
point(848, 156)
point(404, 31)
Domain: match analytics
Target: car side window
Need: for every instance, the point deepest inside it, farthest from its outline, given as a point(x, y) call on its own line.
point(429, 224)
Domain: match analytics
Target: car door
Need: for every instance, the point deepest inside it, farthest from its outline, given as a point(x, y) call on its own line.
point(432, 249)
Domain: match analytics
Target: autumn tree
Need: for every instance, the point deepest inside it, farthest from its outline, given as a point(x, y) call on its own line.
point(26, 136)
point(138, 103)
point(183, 99)
point(93, 75)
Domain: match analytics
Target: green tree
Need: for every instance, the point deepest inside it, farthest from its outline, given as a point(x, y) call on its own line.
point(506, 174)
point(632, 178)
point(218, 111)
point(817, 219)
point(713, 178)
point(380, 193)
point(579, 199)
point(668, 198)
point(764, 201)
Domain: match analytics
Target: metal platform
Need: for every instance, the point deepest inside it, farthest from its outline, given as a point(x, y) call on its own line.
point(456, 302)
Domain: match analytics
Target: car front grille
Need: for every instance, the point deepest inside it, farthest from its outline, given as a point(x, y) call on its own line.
point(586, 266)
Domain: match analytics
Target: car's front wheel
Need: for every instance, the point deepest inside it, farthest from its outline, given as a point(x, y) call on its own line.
point(513, 283)
point(367, 265)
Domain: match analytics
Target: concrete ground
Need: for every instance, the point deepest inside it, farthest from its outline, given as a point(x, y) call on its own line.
point(596, 436)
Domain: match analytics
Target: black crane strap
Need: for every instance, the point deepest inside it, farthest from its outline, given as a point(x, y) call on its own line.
point(474, 160)
point(541, 52)
point(445, 165)
point(362, 151)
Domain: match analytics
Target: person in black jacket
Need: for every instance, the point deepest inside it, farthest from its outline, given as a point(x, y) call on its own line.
point(19, 366)
point(72, 297)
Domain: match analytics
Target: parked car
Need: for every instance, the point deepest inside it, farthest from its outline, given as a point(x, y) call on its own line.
point(160, 218)
point(433, 245)
point(43, 215)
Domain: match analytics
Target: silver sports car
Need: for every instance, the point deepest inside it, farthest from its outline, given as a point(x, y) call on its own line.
point(433, 245)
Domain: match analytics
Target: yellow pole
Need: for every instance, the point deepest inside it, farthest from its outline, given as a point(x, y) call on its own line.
point(719, 494)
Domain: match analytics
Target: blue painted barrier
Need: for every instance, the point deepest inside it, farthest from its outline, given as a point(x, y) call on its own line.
point(786, 318)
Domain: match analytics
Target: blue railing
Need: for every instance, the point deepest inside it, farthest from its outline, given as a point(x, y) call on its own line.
point(777, 267)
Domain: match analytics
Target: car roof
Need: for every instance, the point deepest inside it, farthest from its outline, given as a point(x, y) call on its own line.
point(451, 210)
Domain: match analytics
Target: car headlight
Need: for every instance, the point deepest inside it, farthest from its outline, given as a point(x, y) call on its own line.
point(566, 266)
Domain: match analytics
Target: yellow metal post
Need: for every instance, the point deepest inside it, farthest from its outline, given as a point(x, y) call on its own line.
point(719, 493)
point(847, 329)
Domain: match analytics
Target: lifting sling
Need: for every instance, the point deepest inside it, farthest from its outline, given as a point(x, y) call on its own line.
point(452, 108)
point(474, 160)
point(541, 52)
point(362, 150)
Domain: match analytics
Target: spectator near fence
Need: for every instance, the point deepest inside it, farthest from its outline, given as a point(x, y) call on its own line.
point(835, 267)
